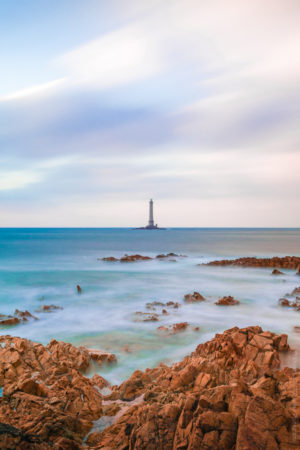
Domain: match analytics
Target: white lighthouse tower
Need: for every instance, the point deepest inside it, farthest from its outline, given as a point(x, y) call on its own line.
point(151, 221)
point(151, 225)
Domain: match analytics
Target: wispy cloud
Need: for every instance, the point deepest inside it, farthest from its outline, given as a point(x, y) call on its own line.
point(196, 104)
point(34, 91)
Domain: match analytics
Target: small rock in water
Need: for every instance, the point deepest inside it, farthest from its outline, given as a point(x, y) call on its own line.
point(284, 302)
point(227, 301)
point(48, 308)
point(193, 298)
point(277, 272)
point(79, 290)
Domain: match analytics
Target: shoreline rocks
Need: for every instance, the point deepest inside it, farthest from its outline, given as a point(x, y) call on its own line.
point(230, 391)
point(45, 393)
point(286, 262)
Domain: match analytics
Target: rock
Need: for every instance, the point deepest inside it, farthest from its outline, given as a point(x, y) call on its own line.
point(284, 302)
point(49, 308)
point(193, 298)
point(79, 290)
point(164, 311)
point(295, 292)
point(127, 258)
point(178, 327)
point(217, 398)
point(146, 317)
point(18, 317)
point(133, 258)
point(45, 395)
point(168, 255)
point(286, 262)
point(277, 272)
point(298, 270)
point(152, 305)
point(227, 301)
point(8, 320)
point(24, 315)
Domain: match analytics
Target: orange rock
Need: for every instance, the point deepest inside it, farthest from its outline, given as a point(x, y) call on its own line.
point(288, 262)
point(227, 301)
point(195, 297)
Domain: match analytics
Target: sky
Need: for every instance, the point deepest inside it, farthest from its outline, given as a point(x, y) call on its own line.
point(104, 105)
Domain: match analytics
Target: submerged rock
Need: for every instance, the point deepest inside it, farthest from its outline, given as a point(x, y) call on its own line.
point(146, 317)
point(79, 289)
point(49, 308)
point(227, 301)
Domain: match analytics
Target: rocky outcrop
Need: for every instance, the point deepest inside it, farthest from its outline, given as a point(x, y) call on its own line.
point(277, 272)
point(230, 393)
point(168, 255)
point(286, 262)
point(18, 317)
point(127, 258)
point(45, 395)
point(227, 301)
point(194, 298)
point(295, 299)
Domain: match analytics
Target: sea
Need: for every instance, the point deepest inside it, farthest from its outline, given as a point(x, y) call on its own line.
point(43, 266)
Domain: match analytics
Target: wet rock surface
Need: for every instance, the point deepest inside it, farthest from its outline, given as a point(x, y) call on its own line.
point(227, 301)
point(18, 317)
point(45, 394)
point(230, 393)
point(286, 262)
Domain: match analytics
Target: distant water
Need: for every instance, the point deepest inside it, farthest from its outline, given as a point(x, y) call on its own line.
point(43, 266)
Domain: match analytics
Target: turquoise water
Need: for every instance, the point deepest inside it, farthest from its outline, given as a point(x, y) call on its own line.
point(43, 266)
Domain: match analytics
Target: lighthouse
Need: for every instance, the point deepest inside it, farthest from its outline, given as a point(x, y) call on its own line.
point(151, 221)
point(151, 225)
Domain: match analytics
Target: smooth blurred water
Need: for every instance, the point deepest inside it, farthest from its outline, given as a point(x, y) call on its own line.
point(43, 266)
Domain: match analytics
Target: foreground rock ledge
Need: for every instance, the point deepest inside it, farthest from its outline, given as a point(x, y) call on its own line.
point(229, 394)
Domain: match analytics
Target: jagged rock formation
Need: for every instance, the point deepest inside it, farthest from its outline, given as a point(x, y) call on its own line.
point(18, 317)
point(229, 394)
point(286, 262)
point(45, 395)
